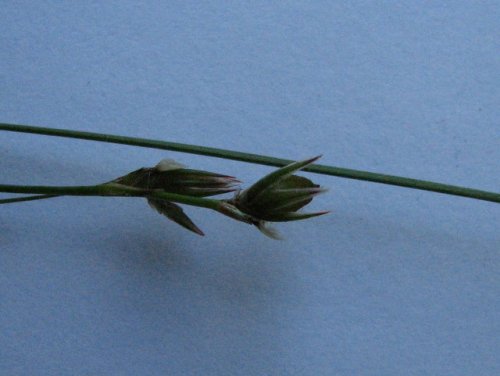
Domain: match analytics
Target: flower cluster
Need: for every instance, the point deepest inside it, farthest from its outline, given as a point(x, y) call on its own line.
point(277, 197)
point(172, 177)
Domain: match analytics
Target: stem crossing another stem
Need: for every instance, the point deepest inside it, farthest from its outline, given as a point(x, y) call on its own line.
point(260, 159)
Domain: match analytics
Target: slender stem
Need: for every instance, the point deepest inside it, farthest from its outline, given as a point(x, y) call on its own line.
point(108, 189)
point(260, 159)
point(25, 198)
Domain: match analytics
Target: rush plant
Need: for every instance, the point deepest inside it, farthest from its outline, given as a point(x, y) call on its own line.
point(277, 197)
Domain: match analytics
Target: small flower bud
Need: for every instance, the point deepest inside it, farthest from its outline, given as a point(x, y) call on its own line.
point(278, 196)
point(172, 177)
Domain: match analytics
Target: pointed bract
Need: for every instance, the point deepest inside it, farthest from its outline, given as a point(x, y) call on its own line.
point(294, 216)
point(272, 179)
point(175, 213)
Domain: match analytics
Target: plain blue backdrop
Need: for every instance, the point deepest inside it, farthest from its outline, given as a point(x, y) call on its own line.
point(393, 282)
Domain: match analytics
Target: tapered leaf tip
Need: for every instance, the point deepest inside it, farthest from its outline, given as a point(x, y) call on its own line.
point(313, 159)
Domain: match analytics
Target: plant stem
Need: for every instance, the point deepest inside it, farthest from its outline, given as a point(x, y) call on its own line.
point(108, 189)
point(25, 198)
point(260, 159)
point(118, 190)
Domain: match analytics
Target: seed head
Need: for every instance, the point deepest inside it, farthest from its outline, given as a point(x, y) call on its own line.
point(172, 177)
point(278, 196)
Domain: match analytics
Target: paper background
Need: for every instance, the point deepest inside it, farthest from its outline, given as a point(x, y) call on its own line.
point(394, 281)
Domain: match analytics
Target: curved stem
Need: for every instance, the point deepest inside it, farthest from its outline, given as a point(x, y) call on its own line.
point(260, 159)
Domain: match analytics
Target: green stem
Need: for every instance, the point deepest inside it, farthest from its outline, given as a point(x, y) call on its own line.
point(25, 198)
point(108, 189)
point(261, 159)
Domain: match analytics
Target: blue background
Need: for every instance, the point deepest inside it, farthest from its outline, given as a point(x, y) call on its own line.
point(394, 281)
